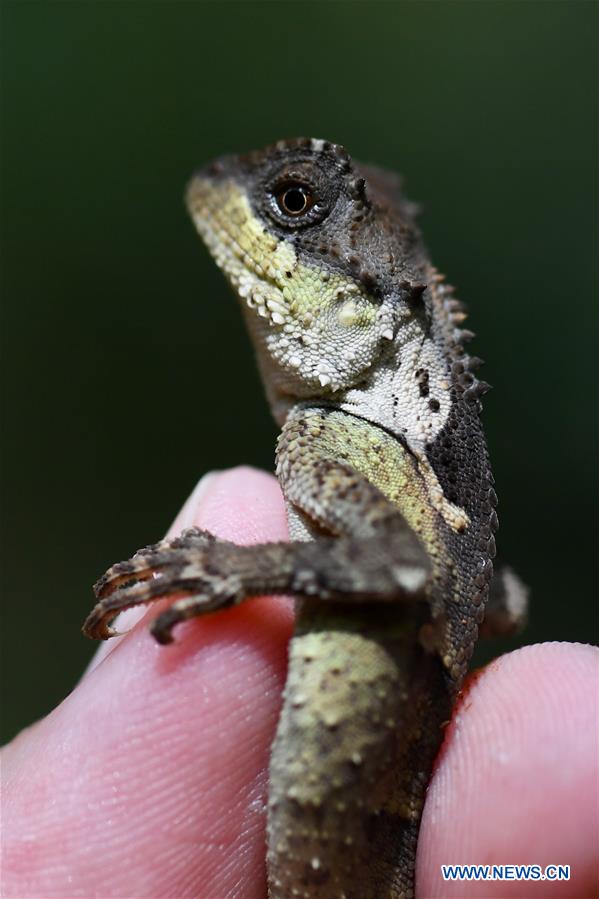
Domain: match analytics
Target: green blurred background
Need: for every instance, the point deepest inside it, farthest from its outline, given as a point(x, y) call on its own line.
point(114, 317)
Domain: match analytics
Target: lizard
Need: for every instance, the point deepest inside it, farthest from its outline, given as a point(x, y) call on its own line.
point(390, 499)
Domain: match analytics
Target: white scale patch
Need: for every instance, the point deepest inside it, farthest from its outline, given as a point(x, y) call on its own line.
point(393, 399)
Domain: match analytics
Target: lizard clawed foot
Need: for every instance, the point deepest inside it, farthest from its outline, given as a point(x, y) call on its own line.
point(181, 566)
point(151, 559)
point(188, 607)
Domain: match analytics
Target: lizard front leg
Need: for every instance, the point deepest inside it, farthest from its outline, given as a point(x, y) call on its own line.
point(205, 574)
point(374, 554)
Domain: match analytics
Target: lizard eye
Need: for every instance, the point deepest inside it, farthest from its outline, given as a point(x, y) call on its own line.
point(294, 199)
point(297, 196)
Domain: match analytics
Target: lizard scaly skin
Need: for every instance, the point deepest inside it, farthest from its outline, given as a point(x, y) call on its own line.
point(390, 499)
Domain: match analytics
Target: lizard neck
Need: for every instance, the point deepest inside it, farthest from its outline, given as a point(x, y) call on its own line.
point(408, 394)
point(407, 391)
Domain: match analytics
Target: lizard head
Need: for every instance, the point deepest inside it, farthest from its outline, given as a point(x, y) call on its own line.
point(320, 252)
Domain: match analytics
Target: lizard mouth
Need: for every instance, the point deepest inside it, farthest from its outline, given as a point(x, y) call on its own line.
point(223, 217)
point(258, 265)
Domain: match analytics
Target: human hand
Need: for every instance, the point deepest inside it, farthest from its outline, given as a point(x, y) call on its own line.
point(149, 780)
